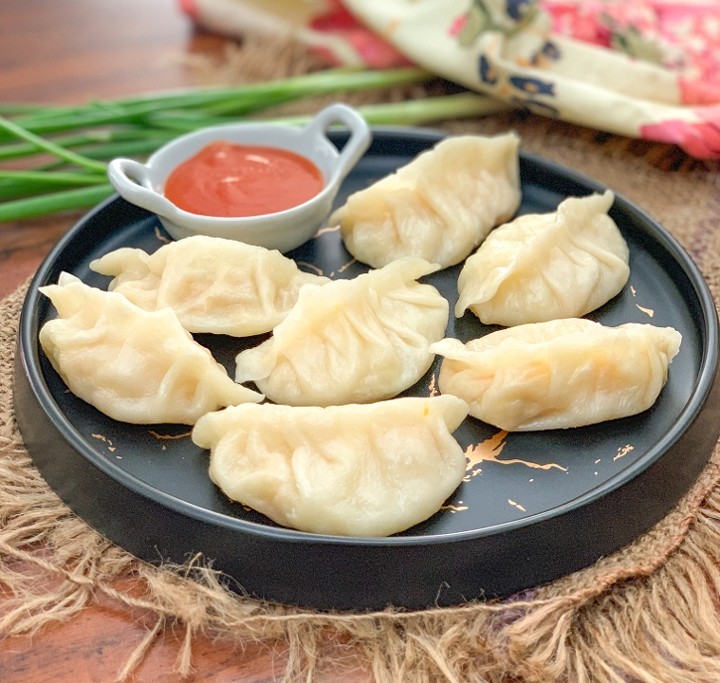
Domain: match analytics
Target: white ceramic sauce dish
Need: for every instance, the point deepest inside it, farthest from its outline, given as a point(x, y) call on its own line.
point(143, 184)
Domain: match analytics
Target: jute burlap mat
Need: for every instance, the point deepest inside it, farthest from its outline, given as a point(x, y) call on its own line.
point(648, 613)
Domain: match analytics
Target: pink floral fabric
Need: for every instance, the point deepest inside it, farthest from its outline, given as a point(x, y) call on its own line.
point(373, 50)
point(682, 36)
point(641, 68)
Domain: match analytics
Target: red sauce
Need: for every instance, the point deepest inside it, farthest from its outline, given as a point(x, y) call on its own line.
point(226, 179)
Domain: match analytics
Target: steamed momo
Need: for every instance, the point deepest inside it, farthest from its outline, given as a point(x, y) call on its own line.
point(214, 285)
point(439, 207)
point(133, 365)
point(558, 374)
point(355, 470)
point(351, 341)
point(541, 267)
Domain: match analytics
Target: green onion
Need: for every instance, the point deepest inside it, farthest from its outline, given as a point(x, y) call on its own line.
point(236, 100)
point(426, 110)
point(406, 113)
point(54, 158)
point(86, 139)
point(55, 202)
point(14, 184)
point(50, 147)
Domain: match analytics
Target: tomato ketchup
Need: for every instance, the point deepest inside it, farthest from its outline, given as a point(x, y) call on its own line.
point(227, 179)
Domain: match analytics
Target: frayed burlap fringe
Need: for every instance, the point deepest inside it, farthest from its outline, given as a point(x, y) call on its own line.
point(649, 613)
point(259, 58)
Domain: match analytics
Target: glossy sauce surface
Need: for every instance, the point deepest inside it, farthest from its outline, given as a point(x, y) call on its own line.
point(226, 179)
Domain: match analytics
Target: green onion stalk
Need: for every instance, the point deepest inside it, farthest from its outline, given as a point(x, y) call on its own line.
point(54, 158)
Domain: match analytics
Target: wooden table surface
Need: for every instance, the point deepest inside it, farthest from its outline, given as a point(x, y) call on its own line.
point(76, 50)
point(70, 51)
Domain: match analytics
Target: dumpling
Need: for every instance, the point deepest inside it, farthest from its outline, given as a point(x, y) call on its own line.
point(213, 284)
point(133, 365)
point(541, 267)
point(439, 207)
point(351, 341)
point(558, 374)
point(355, 470)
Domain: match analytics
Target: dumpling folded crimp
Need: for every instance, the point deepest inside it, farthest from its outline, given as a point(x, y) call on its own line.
point(439, 207)
point(541, 267)
point(133, 365)
point(558, 374)
point(351, 341)
point(214, 285)
point(354, 470)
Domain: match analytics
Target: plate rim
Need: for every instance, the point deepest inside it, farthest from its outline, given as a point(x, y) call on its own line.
point(707, 372)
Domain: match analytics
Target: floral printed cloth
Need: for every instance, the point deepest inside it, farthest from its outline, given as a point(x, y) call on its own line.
point(680, 35)
point(646, 69)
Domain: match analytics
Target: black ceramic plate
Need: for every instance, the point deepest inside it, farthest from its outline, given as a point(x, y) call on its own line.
point(539, 505)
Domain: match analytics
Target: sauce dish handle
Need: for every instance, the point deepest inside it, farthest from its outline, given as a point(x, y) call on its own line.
point(354, 148)
point(132, 181)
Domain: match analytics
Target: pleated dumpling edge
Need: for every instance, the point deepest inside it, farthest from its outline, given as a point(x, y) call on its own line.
point(135, 366)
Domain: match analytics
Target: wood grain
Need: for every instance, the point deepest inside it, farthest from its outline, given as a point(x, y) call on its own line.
point(71, 51)
point(75, 51)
